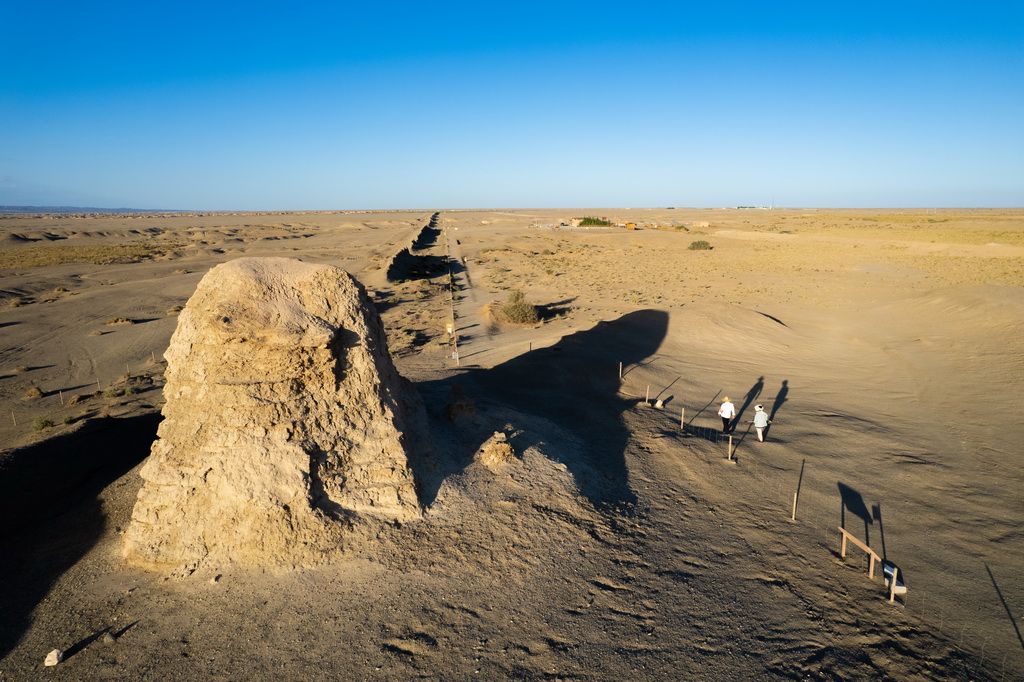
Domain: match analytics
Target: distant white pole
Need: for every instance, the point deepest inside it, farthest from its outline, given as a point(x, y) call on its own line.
point(61, 395)
point(729, 447)
point(620, 369)
point(647, 398)
point(682, 419)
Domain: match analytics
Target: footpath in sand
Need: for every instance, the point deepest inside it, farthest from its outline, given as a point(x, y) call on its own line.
point(616, 545)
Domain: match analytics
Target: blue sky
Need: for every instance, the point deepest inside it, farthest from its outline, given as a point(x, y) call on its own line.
point(342, 105)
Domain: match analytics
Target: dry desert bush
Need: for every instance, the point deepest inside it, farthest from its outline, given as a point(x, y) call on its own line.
point(516, 310)
point(41, 423)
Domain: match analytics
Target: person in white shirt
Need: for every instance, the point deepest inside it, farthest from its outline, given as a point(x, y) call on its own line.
point(727, 411)
point(761, 422)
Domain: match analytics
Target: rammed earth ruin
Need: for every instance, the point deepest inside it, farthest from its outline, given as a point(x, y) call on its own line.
point(285, 424)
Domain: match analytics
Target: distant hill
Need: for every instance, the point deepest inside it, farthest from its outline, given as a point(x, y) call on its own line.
point(78, 209)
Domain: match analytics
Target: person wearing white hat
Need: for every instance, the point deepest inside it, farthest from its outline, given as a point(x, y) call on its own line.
point(760, 422)
point(727, 411)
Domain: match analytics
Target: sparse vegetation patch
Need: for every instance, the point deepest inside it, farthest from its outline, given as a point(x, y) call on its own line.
point(41, 423)
point(517, 309)
point(60, 254)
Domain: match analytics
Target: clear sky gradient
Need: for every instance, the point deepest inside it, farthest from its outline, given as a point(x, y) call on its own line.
point(422, 104)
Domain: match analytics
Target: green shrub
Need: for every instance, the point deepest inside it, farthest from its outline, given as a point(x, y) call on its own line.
point(41, 423)
point(700, 245)
point(591, 221)
point(518, 310)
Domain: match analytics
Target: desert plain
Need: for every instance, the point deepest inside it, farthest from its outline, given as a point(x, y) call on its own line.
point(629, 539)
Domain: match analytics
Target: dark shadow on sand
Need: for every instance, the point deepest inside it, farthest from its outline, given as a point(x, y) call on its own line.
point(780, 398)
point(573, 384)
point(1006, 607)
point(852, 501)
point(549, 311)
point(49, 512)
point(751, 396)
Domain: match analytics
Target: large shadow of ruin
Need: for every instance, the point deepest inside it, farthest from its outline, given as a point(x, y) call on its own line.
point(574, 384)
point(49, 512)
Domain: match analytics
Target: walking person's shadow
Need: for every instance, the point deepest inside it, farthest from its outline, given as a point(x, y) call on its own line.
point(751, 396)
point(780, 398)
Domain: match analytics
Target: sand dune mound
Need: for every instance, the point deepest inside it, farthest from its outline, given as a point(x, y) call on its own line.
point(285, 423)
point(11, 239)
point(735, 329)
point(972, 308)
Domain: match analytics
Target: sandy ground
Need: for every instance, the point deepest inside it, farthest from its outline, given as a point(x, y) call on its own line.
point(887, 345)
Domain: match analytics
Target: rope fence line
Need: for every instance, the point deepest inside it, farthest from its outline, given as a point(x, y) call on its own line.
point(44, 403)
point(997, 651)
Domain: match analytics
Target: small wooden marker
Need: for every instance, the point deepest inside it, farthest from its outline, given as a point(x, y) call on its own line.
point(730, 447)
point(620, 369)
point(61, 395)
point(682, 419)
point(892, 585)
point(796, 493)
point(14, 418)
point(647, 397)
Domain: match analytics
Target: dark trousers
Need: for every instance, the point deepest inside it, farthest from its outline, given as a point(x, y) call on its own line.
point(725, 424)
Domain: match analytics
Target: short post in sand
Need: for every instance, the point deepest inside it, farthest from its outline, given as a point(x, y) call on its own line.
point(647, 397)
point(620, 369)
point(796, 493)
point(682, 419)
point(60, 394)
point(13, 418)
point(729, 448)
point(892, 584)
